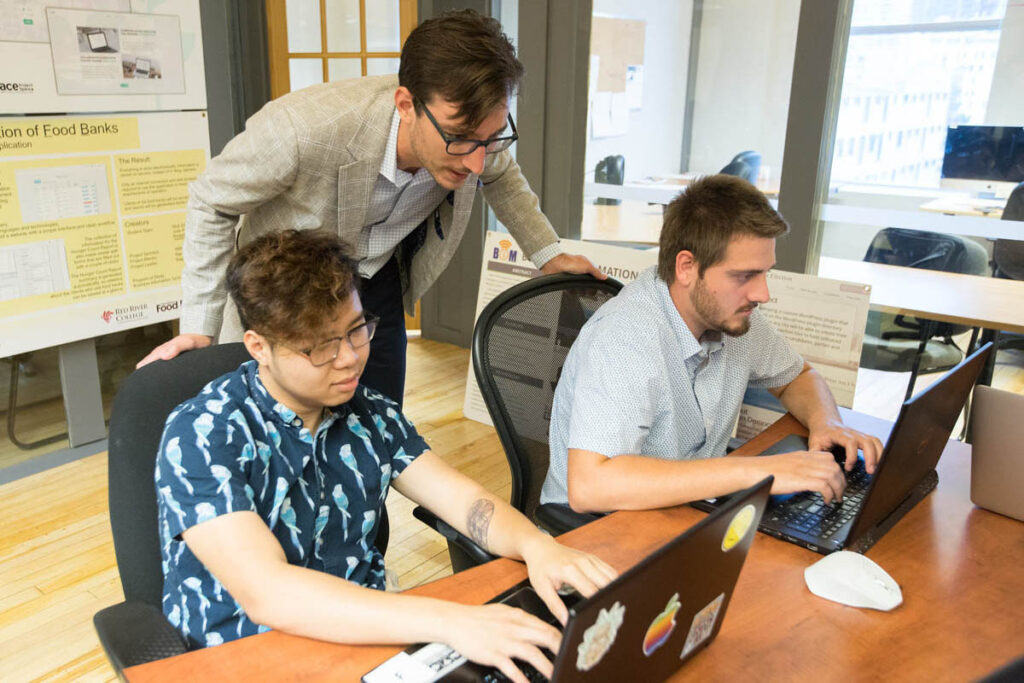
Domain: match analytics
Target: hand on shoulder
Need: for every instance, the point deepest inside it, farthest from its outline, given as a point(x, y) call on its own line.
point(173, 347)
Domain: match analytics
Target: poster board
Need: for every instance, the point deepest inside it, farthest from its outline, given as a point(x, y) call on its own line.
point(92, 217)
point(823, 319)
point(100, 55)
point(619, 43)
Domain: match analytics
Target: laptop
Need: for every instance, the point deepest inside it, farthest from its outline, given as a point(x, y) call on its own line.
point(872, 504)
point(642, 626)
point(997, 459)
point(98, 41)
point(141, 68)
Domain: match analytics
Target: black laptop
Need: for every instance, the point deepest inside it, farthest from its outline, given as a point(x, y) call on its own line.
point(872, 504)
point(98, 41)
point(642, 626)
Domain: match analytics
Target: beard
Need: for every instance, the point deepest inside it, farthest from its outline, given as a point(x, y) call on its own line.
point(711, 312)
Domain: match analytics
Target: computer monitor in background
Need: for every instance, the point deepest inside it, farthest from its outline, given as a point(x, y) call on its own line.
point(987, 160)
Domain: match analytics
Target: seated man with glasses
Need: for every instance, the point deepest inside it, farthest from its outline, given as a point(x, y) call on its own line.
point(271, 484)
point(391, 165)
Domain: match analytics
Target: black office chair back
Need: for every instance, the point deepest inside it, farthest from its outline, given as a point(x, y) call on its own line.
point(520, 342)
point(929, 251)
point(744, 165)
point(610, 171)
point(141, 407)
point(1008, 255)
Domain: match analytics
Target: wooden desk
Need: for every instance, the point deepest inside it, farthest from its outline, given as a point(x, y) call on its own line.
point(959, 568)
point(966, 206)
point(992, 303)
point(631, 221)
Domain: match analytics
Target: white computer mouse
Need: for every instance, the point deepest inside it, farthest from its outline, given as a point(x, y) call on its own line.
point(853, 579)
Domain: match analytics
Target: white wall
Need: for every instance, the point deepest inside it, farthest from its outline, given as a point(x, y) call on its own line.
point(652, 145)
point(1006, 98)
point(744, 72)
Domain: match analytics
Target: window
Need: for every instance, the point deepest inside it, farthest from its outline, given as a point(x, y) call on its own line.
point(317, 41)
point(935, 61)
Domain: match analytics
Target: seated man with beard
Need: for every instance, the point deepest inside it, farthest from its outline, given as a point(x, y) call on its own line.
point(652, 387)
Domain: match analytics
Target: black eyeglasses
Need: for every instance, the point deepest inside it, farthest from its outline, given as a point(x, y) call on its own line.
point(463, 146)
point(326, 351)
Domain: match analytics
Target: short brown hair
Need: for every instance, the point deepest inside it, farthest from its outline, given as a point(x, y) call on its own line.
point(466, 59)
point(708, 215)
point(288, 285)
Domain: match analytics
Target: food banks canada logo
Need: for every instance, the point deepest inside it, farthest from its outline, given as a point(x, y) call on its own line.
point(505, 252)
point(107, 315)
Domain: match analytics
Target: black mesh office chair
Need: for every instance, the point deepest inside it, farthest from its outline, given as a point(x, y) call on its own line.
point(745, 165)
point(1008, 260)
point(903, 343)
point(520, 342)
point(135, 631)
point(610, 171)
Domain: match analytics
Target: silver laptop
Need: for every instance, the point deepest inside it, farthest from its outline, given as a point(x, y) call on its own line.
point(997, 455)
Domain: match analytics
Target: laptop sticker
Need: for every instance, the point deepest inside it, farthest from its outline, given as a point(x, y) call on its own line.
point(738, 527)
point(598, 639)
point(662, 626)
point(703, 624)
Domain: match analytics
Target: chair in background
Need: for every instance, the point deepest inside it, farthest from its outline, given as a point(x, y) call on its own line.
point(611, 171)
point(1008, 262)
point(899, 343)
point(136, 631)
point(745, 165)
point(520, 343)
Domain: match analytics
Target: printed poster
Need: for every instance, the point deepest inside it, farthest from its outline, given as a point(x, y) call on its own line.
point(92, 217)
point(100, 55)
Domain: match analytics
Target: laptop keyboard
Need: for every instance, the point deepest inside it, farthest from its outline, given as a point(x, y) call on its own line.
point(808, 513)
point(528, 670)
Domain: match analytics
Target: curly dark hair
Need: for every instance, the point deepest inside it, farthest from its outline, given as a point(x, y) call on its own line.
point(465, 58)
point(706, 216)
point(288, 284)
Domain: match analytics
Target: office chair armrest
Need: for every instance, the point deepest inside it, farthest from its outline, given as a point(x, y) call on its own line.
point(463, 551)
point(134, 632)
point(558, 519)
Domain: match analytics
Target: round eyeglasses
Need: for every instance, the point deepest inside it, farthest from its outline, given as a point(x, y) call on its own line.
point(326, 351)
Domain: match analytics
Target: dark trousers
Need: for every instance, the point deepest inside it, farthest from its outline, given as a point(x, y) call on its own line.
point(382, 296)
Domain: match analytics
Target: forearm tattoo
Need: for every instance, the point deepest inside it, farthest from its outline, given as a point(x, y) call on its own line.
point(479, 520)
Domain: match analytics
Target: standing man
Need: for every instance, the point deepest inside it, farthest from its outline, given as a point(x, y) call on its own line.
point(392, 165)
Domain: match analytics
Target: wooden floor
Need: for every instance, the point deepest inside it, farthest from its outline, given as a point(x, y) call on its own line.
point(57, 565)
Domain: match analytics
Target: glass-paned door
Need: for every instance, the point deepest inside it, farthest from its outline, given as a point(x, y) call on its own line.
point(318, 41)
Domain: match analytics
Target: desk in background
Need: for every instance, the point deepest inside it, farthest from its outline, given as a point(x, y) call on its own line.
point(958, 566)
point(964, 205)
point(971, 300)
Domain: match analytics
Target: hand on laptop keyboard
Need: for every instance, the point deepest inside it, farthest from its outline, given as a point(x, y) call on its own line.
point(804, 471)
point(845, 443)
point(495, 634)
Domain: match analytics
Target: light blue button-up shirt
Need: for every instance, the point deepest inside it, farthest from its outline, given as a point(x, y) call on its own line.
point(636, 381)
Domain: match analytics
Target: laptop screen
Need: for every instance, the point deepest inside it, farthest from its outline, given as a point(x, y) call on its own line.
point(97, 40)
point(922, 429)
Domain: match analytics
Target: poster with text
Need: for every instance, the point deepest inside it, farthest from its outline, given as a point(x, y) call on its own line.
point(100, 55)
point(92, 217)
point(824, 321)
